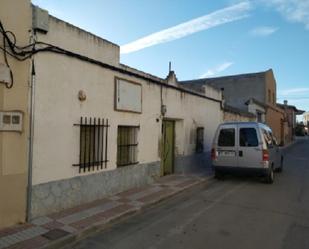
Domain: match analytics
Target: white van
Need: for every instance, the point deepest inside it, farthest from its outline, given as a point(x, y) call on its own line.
point(246, 146)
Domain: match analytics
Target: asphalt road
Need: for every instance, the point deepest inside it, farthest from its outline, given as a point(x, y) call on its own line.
point(238, 212)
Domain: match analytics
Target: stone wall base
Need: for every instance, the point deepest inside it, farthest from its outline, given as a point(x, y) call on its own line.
point(58, 195)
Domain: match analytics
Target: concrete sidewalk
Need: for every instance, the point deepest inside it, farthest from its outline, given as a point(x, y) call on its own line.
point(60, 228)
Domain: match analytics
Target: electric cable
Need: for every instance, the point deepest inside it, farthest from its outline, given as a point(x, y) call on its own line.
point(8, 85)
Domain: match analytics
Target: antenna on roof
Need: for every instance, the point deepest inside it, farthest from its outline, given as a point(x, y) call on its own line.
point(169, 67)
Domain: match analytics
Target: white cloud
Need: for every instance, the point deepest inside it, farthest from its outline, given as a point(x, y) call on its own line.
point(219, 17)
point(217, 69)
point(292, 10)
point(294, 91)
point(263, 31)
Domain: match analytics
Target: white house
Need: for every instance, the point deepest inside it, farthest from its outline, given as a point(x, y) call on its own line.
point(101, 127)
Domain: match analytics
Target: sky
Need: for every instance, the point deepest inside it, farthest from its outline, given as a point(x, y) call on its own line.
point(203, 38)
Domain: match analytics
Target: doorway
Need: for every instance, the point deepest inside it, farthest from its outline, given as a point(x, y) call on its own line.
point(168, 147)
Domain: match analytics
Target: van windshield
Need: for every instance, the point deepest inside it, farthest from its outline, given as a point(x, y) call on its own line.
point(227, 138)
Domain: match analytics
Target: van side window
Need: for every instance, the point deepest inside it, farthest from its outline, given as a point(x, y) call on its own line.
point(267, 138)
point(227, 137)
point(274, 140)
point(248, 137)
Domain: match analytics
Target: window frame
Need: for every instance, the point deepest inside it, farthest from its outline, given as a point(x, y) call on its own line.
point(93, 144)
point(127, 146)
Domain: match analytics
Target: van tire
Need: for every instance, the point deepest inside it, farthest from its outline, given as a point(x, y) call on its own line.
point(281, 165)
point(270, 176)
point(218, 175)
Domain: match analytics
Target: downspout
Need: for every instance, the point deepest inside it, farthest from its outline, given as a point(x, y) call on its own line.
point(30, 145)
point(161, 137)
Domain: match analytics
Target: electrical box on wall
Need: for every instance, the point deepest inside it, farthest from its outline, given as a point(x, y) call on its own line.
point(11, 121)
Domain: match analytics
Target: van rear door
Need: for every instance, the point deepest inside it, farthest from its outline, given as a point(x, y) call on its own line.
point(250, 148)
point(227, 146)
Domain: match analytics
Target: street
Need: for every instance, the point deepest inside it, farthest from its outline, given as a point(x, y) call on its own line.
point(237, 212)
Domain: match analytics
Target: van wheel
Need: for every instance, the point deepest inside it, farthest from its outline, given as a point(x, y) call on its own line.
point(218, 175)
point(270, 176)
point(281, 165)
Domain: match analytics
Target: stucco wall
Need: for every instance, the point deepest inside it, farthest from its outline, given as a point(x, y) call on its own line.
point(56, 140)
point(70, 37)
point(13, 145)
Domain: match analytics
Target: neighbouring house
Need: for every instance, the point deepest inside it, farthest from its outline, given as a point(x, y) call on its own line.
point(290, 116)
point(258, 108)
point(95, 126)
point(14, 110)
point(231, 113)
point(252, 92)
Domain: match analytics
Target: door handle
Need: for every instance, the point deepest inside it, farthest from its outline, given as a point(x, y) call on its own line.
point(240, 153)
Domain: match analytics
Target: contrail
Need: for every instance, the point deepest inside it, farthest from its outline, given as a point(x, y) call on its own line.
point(216, 18)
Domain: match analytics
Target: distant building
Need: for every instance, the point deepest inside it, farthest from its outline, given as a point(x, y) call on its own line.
point(253, 92)
point(290, 116)
point(306, 119)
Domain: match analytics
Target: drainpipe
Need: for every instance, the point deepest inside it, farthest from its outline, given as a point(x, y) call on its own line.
point(30, 145)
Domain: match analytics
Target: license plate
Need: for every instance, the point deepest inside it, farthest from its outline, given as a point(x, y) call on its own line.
point(226, 153)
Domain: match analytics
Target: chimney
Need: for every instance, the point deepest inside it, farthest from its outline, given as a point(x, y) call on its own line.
point(171, 78)
point(285, 102)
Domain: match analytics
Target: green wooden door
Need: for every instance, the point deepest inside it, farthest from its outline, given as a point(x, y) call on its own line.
point(168, 147)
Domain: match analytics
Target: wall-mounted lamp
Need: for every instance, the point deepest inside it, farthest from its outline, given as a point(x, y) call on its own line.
point(82, 95)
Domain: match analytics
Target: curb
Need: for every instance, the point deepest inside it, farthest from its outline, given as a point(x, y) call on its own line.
point(69, 239)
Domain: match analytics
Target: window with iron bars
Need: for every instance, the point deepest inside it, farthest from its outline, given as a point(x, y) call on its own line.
point(93, 144)
point(127, 145)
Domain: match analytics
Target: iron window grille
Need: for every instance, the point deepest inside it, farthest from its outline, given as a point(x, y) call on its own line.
point(127, 145)
point(93, 144)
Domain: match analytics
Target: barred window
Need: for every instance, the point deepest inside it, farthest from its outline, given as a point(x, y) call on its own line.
point(127, 145)
point(93, 144)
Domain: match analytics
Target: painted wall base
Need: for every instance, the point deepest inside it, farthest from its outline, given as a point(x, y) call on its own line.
point(58, 195)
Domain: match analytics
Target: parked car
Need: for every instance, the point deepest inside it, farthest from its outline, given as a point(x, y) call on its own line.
point(249, 147)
